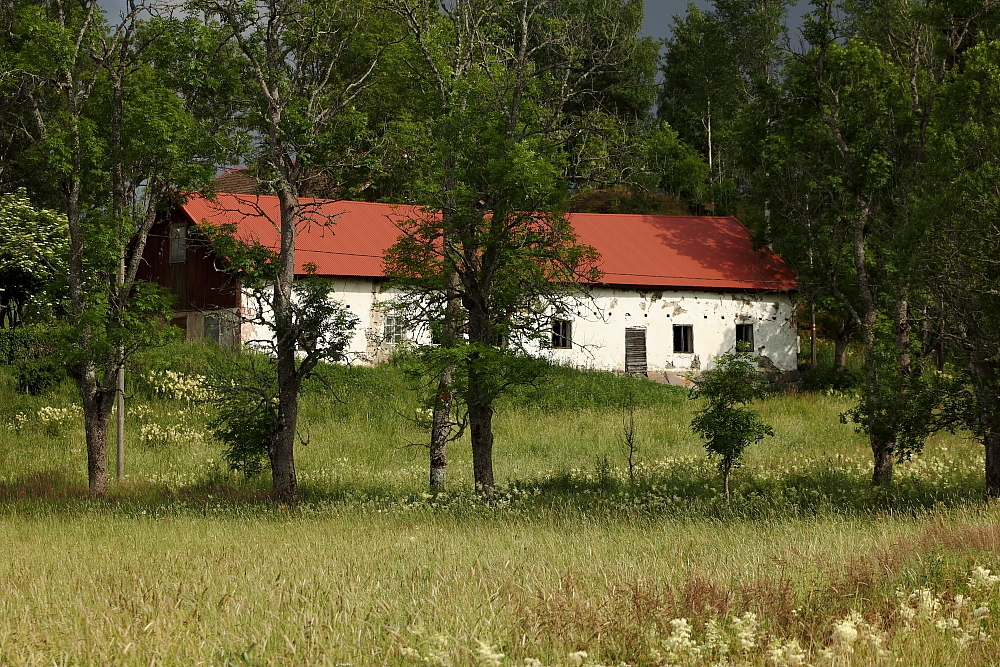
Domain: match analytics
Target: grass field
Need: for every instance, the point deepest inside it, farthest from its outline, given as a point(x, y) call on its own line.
point(185, 563)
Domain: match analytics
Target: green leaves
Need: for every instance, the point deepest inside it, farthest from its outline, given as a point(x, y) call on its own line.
point(726, 425)
point(33, 248)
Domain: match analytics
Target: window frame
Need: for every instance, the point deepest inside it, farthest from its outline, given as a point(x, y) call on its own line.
point(562, 334)
point(686, 341)
point(746, 327)
point(177, 243)
point(393, 330)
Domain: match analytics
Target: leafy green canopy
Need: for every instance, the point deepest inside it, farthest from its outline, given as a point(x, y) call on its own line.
point(33, 248)
point(726, 425)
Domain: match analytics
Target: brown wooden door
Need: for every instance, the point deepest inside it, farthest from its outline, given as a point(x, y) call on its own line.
point(635, 350)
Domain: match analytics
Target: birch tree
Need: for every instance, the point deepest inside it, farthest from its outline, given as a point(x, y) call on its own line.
point(846, 162)
point(307, 63)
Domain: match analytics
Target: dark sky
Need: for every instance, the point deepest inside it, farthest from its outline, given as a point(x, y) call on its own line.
point(659, 14)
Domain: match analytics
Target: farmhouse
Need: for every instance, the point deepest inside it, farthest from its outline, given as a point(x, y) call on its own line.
point(675, 291)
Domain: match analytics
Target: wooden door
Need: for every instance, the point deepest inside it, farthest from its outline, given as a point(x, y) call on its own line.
point(635, 350)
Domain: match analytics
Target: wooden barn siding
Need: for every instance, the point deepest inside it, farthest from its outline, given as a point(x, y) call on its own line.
point(195, 282)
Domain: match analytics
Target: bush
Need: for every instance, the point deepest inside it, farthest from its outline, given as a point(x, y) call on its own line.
point(824, 378)
point(148, 370)
point(242, 387)
point(244, 429)
point(17, 344)
point(37, 376)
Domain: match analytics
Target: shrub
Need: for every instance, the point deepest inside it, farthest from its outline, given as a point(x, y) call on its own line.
point(244, 429)
point(243, 390)
point(725, 424)
point(17, 344)
point(37, 376)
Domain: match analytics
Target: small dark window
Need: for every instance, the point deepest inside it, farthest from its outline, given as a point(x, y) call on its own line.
point(178, 243)
point(684, 338)
point(394, 331)
point(562, 334)
point(744, 334)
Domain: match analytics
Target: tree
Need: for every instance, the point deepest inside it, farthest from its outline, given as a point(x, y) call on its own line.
point(728, 427)
point(512, 86)
point(32, 257)
point(720, 72)
point(845, 161)
point(964, 154)
point(307, 63)
point(97, 134)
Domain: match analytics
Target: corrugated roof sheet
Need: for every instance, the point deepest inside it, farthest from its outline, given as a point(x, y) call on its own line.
point(347, 238)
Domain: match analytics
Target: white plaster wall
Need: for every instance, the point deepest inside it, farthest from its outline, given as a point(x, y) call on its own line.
point(361, 297)
point(599, 328)
point(599, 325)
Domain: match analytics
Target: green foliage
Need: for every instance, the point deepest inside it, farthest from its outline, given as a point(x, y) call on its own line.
point(34, 244)
point(720, 72)
point(827, 378)
point(728, 427)
point(245, 397)
point(39, 375)
point(561, 388)
point(18, 344)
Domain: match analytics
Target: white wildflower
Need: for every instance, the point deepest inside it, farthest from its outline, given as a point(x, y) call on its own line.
point(746, 630)
point(409, 653)
point(845, 633)
point(789, 654)
point(576, 658)
point(487, 656)
point(982, 579)
point(532, 662)
point(715, 640)
point(679, 647)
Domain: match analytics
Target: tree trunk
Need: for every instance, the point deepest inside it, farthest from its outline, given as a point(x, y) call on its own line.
point(440, 430)
point(882, 456)
point(281, 451)
point(96, 416)
point(992, 443)
point(727, 467)
point(479, 399)
point(985, 375)
point(882, 447)
point(840, 341)
point(450, 331)
point(481, 430)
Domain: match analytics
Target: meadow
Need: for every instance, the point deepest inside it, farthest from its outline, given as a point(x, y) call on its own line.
point(574, 561)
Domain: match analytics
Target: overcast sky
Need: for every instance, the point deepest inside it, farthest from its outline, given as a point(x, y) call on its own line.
point(659, 14)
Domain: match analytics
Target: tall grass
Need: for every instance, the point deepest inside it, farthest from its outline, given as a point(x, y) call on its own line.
point(186, 563)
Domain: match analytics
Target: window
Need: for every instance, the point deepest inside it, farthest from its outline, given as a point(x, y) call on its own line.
point(684, 338)
point(744, 334)
point(394, 331)
point(178, 243)
point(562, 334)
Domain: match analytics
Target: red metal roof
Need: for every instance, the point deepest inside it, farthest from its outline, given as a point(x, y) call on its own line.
point(680, 251)
point(347, 238)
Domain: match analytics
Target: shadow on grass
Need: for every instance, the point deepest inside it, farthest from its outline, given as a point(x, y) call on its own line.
point(691, 489)
point(686, 489)
point(43, 485)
